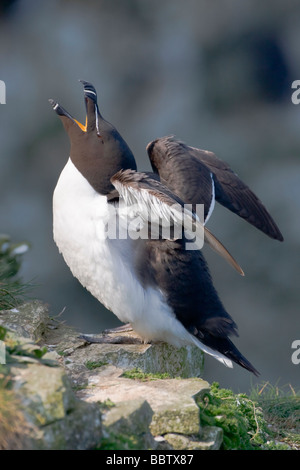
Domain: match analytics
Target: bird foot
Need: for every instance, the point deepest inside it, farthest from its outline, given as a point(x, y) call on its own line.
point(107, 339)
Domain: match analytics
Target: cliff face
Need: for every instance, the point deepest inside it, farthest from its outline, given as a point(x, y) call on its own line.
point(59, 392)
point(81, 396)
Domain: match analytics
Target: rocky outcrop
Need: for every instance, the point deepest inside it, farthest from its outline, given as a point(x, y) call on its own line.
point(82, 396)
point(52, 416)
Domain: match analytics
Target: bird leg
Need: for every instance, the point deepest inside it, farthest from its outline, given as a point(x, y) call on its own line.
point(113, 336)
point(106, 339)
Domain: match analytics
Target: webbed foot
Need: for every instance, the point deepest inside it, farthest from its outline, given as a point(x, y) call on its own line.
point(111, 339)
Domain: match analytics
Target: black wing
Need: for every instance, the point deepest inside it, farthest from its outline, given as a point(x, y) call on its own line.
point(190, 293)
point(188, 171)
point(148, 193)
point(184, 174)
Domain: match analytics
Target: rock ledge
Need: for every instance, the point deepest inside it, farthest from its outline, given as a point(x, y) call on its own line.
point(85, 396)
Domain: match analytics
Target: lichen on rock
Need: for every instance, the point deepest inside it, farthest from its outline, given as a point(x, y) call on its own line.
point(75, 395)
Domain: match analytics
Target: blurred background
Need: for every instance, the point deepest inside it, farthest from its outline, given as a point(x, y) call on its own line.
point(217, 77)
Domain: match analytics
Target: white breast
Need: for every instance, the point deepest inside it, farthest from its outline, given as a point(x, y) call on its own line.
point(103, 265)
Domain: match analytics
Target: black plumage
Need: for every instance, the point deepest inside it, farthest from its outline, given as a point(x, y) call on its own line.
point(182, 175)
point(188, 171)
point(184, 278)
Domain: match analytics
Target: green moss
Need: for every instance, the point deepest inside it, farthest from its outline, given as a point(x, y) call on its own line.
point(94, 364)
point(77, 388)
point(62, 353)
point(16, 348)
point(119, 442)
point(137, 374)
point(260, 422)
point(106, 405)
point(240, 418)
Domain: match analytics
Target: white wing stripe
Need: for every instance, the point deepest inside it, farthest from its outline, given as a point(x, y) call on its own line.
point(152, 209)
point(213, 200)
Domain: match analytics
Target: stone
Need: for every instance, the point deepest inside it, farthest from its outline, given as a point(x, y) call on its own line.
point(183, 362)
point(135, 415)
point(210, 439)
point(45, 392)
point(28, 320)
point(81, 429)
point(172, 400)
point(49, 414)
point(162, 444)
point(77, 395)
point(174, 407)
point(57, 419)
point(130, 418)
point(62, 338)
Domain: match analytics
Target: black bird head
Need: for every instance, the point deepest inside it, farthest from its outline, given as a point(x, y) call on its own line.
point(97, 149)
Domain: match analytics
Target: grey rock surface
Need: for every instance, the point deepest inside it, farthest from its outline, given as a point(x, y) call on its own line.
point(82, 396)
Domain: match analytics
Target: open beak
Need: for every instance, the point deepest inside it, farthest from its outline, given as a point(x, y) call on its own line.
point(60, 111)
point(92, 111)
